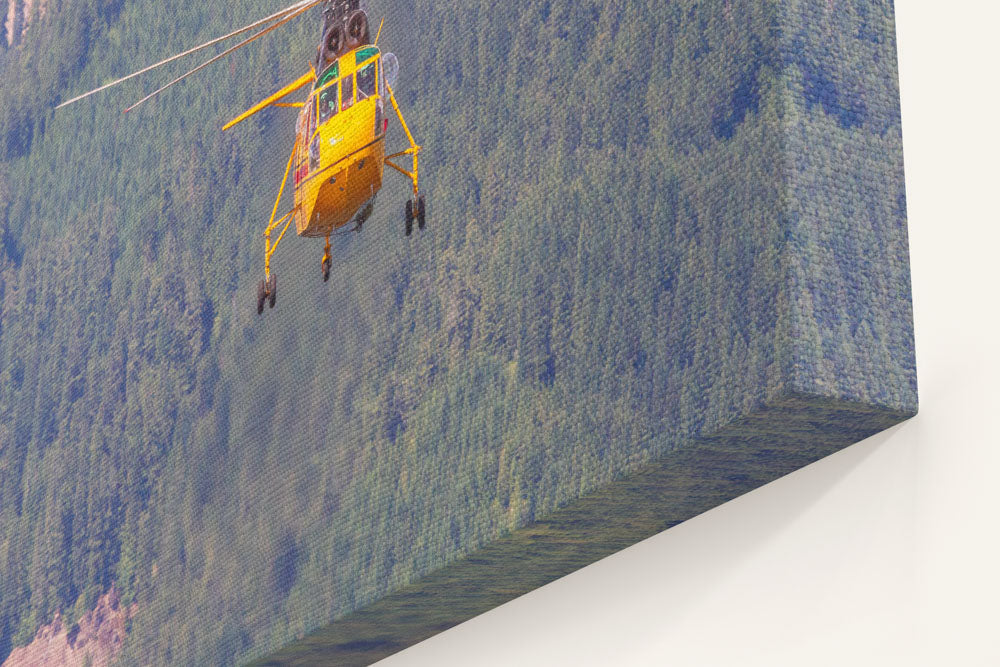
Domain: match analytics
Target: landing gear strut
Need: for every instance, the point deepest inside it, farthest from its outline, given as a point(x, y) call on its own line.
point(267, 289)
point(415, 208)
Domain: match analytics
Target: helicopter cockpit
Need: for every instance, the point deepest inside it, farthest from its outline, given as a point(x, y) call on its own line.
point(338, 94)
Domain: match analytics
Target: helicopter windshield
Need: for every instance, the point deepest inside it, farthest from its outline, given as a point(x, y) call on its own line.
point(329, 73)
point(328, 107)
point(366, 81)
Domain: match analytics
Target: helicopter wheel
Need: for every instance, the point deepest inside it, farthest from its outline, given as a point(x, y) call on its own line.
point(272, 291)
point(408, 214)
point(326, 268)
point(420, 212)
point(261, 294)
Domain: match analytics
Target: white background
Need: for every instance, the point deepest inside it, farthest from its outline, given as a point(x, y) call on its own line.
point(887, 553)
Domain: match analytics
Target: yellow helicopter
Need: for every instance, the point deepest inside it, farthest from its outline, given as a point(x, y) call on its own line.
point(339, 151)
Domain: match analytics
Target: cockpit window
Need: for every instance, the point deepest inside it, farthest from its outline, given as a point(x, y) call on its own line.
point(366, 81)
point(328, 103)
point(364, 54)
point(347, 93)
point(328, 74)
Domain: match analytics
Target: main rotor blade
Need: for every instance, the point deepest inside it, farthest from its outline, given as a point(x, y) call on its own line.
point(218, 57)
point(299, 6)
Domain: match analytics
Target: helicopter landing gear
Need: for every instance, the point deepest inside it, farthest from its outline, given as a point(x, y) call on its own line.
point(267, 292)
point(420, 213)
point(415, 208)
point(327, 261)
point(414, 211)
point(267, 289)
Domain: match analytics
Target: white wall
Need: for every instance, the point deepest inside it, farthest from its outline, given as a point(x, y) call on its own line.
point(886, 553)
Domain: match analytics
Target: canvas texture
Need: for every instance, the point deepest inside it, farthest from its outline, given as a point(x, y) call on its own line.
point(665, 262)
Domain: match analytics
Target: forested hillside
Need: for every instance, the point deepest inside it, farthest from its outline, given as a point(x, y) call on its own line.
point(244, 479)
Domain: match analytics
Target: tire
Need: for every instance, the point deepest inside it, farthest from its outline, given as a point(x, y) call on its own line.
point(420, 212)
point(273, 292)
point(408, 216)
point(260, 297)
point(358, 33)
point(334, 42)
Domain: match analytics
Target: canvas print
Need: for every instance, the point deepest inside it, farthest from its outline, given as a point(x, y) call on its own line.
point(326, 326)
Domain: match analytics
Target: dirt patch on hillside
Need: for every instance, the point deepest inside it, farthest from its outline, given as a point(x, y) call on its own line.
point(95, 640)
point(20, 14)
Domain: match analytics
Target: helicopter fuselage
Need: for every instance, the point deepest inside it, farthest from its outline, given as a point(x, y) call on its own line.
point(340, 143)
